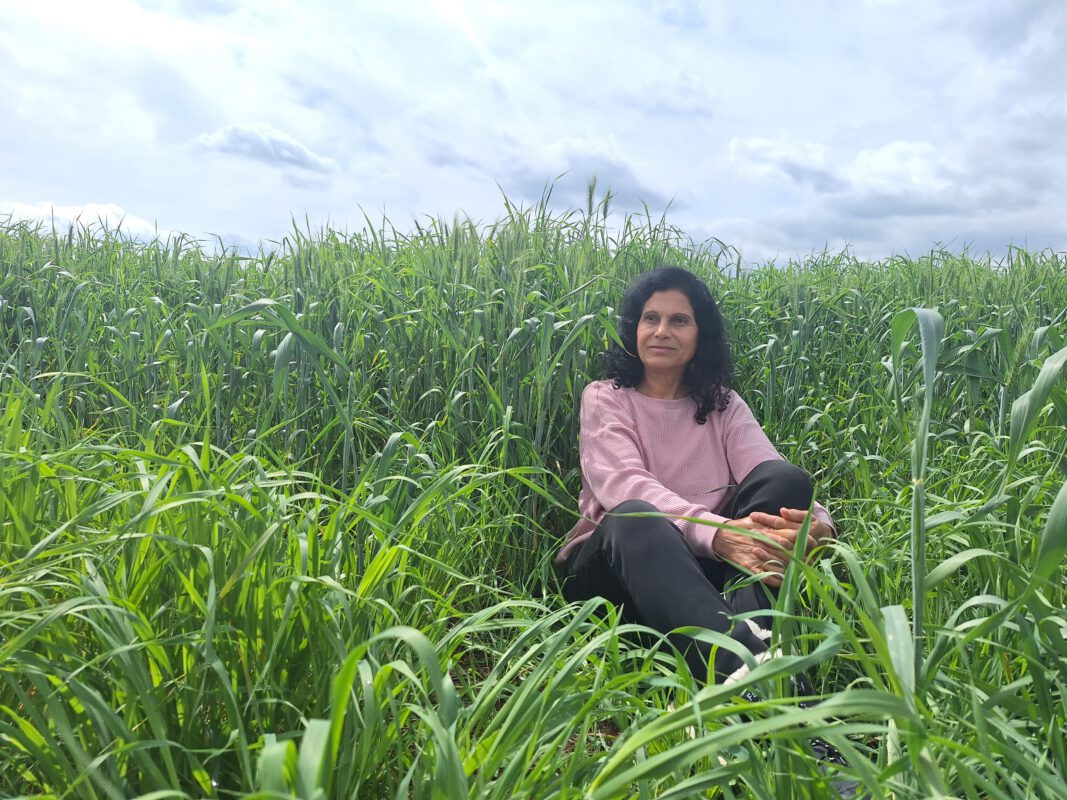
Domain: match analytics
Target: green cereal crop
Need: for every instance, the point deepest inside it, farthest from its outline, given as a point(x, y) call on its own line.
point(281, 525)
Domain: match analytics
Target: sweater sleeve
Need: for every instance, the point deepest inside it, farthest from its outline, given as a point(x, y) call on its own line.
point(747, 446)
point(615, 471)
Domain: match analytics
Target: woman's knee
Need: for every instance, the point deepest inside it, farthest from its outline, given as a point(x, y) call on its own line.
point(790, 482)
point(635, 524)
point(634, 507)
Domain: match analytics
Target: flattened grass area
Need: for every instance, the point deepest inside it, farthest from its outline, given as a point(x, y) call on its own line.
point(282, 525)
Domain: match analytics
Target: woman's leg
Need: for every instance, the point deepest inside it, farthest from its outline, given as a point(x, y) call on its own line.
point(770, 486)
point(644, 565)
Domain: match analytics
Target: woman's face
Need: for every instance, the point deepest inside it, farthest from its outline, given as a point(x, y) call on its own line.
point(667, 334)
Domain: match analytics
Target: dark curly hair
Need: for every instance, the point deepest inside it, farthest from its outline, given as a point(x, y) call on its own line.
point(709, 375)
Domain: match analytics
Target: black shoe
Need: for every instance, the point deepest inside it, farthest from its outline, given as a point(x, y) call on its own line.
point(826, 752)
point(823, 750)
point(820, 748)
point(802, 688)
point(750, 696)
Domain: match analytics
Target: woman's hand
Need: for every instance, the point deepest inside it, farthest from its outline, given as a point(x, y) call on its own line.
point(788, 525)
point(757, 556)
point(752, 554)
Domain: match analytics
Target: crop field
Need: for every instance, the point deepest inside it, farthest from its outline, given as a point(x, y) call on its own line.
point(282, 526)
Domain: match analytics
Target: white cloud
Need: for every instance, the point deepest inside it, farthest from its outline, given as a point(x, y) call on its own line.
point(885, 179)
point(262, 142)
point(908, 122)
point(90, 215)
point(902, 167)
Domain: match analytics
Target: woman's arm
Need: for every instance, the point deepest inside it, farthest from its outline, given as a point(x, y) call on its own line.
point(747, 445)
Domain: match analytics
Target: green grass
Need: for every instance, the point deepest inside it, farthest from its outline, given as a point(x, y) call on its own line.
point(281, 526)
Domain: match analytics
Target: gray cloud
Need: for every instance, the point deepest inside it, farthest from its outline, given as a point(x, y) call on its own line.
point(345, 97)
point(819, 179)
point(874, 224)
point(882, 205)
point(525, 170)
point(1002, 29)
point(982, 189)
point(194, 9)
point(680, 13)
point(804, 164)
point(614, 175)
point(307, 183)
point(570, 185)
point(262, 142)
point(1019, 44)
point(445, 154)
point(680, 95)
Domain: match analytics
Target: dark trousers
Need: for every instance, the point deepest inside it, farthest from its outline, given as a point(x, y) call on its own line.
point(643, 565)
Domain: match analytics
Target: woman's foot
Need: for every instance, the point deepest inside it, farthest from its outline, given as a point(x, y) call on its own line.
point(826, 752)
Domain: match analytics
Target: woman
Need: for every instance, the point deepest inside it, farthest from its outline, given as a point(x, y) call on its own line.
point(666, 433)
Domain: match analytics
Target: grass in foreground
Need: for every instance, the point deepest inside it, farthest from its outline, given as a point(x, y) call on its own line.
point(281, 526)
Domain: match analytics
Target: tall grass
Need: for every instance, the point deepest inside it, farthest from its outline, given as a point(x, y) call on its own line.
point(281, 525)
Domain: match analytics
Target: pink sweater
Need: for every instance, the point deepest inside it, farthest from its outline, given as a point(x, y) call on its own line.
point(634, 447)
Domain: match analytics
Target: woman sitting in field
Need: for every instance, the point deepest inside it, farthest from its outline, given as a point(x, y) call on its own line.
point(666, 433)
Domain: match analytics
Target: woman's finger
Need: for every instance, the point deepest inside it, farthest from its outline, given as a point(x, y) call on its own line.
point(771, 521)
point(796, 515)
point(772, 580)
point(762, 518)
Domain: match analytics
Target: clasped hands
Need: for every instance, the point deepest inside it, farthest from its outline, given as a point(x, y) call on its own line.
point(758, 556)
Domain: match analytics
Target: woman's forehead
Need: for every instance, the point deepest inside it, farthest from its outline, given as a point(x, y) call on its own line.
point(669, 301)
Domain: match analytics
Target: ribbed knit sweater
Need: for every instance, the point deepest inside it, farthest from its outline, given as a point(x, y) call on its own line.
point(634, 447)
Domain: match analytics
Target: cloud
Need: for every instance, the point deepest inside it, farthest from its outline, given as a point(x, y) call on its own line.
point(194, 9)
point(681, 94)
point(616, 175)
point(265, 143)
point(681, 13)
point(978, 190)
point(804, 163)
point(568, 165)
point(897, 178)
point(908, 124)
point(900, 168)
point(444, 154)
point(1004, 29)
point(90, 215)
point(178, 108)
point(307, 183)
point(524, 169)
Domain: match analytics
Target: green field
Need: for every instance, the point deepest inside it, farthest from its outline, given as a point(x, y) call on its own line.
point(282, 526)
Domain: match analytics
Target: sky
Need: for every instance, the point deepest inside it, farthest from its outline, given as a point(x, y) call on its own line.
point(779, 128)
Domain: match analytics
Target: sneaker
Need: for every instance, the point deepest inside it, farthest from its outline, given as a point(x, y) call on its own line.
point(826, 752)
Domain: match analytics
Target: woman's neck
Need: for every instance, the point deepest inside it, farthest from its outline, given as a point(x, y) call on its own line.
point(662, 387)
